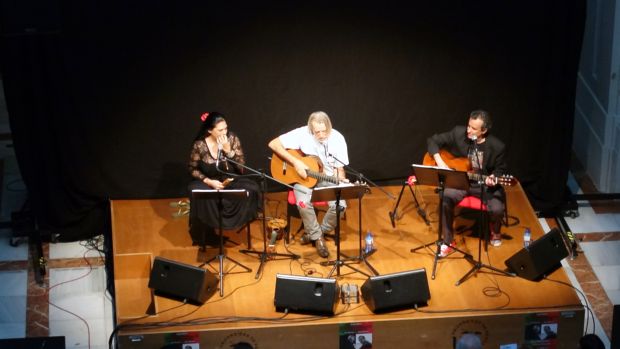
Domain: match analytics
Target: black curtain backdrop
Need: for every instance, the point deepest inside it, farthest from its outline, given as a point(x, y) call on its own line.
point(104, 98)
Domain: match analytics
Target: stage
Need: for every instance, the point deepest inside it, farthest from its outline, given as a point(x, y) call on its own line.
point(501, 309)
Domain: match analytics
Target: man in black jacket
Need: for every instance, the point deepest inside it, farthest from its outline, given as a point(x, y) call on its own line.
point(486, 157)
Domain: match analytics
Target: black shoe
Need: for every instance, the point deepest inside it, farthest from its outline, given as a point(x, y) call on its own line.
point(304, 239)
point(321, 248)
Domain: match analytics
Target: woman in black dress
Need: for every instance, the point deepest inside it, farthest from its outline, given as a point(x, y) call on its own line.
point(214, 140)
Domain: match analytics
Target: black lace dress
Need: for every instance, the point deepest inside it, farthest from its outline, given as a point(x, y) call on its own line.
point(204, 214)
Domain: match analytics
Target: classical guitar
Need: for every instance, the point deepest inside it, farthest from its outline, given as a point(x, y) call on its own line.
point(285, 172)
point(462, 164)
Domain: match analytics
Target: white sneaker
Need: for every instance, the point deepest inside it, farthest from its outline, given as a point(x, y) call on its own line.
point(496, 240)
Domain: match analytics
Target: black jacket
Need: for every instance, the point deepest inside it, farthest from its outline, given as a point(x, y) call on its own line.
point(456, 143)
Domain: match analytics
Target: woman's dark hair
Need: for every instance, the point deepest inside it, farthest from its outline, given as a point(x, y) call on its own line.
point(209, 120)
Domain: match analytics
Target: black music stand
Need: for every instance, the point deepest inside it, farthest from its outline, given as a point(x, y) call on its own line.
point(265, 255)
point(337, 193)
point(441, 178)
point(361, 257)
point(419, 209)
point(219, 195)
point(362, 254)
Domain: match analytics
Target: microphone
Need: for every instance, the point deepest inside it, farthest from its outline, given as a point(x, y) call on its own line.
point(219, 155)
point(474, 142)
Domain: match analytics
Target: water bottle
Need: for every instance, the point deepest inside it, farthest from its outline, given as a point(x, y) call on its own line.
point(369, 242)
point(527, 238)
point(271, 246)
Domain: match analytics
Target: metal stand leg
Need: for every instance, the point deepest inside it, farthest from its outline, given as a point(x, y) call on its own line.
point(439, 240)
point(362, 256)
point(483, 231)
point(265, 255)
point(348, 261)
point(419, 209)
point(221, 255)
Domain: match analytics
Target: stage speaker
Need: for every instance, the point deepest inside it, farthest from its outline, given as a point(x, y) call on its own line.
point(182, 281)
point(541, 258)
point(302, 294)
point(396, 291)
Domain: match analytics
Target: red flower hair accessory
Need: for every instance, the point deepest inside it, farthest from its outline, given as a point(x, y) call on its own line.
point(204, 117)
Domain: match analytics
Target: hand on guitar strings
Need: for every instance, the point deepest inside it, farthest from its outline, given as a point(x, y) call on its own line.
point(490, 181)
point(301, 168)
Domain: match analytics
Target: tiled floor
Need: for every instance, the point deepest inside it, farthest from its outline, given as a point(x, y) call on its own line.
point(74, 302)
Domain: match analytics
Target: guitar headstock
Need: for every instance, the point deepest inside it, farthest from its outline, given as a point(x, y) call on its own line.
point(506, 180)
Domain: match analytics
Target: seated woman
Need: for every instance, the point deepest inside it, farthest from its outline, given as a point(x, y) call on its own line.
point(213, 141)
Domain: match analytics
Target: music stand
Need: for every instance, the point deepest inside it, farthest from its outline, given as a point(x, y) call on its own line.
point(265, 255)
point(362, 255)
point(337, 193)
point(219, 195)
point(441, 178)
point(394, 214)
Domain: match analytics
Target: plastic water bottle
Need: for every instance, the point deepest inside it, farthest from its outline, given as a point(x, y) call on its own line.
point(527, 238)
point(271, 246)
point(369, 240)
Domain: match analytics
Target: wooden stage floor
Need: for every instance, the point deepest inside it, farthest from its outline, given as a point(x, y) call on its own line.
point(498, 308)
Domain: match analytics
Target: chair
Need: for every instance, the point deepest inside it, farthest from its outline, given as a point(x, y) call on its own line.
point(292, 211)
point(474, 203)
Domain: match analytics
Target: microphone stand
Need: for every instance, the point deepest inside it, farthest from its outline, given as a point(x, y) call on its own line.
point(360, 177)
point(483, 230)
point(361, 257)
point(265, 255)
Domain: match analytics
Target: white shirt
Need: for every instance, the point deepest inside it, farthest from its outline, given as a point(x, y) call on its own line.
point(333, 152)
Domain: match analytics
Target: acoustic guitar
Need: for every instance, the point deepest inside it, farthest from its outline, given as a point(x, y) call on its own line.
point(463, 164)
point(285, 172)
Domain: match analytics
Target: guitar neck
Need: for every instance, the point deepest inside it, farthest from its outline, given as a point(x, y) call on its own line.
point(477, 177)
point(462, 164)
point(322, 177)
point(505, 180)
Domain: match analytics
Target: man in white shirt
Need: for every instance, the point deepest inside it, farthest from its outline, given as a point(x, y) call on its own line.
point(319, 139)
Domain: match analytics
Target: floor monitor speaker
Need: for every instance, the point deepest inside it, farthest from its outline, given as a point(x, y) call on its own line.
point(541, 258)
point(396, 291)
point(182, 281)
point(303, 294)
